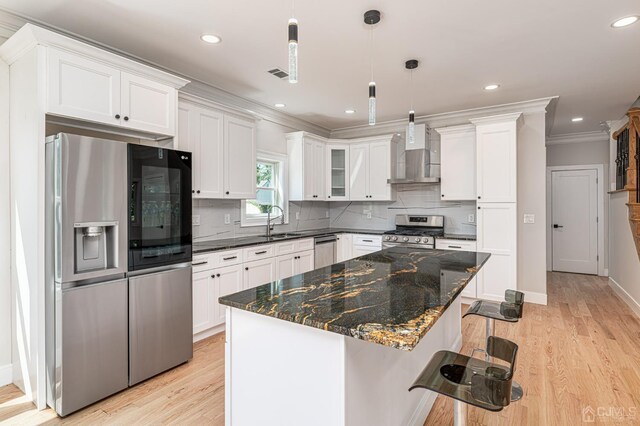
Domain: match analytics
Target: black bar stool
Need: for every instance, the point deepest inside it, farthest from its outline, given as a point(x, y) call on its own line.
point(510, 311)
point(471, 380)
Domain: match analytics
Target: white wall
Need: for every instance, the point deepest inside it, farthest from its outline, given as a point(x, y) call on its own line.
point(532, 200)
point(5, 229)
point(624, 265)
point(580, 154)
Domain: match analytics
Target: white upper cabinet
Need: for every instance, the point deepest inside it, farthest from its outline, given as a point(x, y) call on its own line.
point(240, 158)
point(147, 105)
point(359, 172)
point(306, 167)
point(337, 176)
point(92, 90)
point(496, 171)
point(81, 88)
point(371, 164)
point(224, 151)
point(458, 163)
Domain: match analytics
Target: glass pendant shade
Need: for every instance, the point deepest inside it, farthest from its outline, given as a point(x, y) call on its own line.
point(372, 103)
point(293, 50)
point(411, 133)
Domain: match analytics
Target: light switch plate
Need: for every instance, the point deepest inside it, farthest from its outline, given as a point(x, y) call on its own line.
point(326, 214)
point(227, 219)
point(195, 220)
point(297, 215)
point(529, 218)
point(471, 218)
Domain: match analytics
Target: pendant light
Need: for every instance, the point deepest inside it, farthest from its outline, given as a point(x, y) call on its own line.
point(293, 47)
point(411, 65)
point(372, 17)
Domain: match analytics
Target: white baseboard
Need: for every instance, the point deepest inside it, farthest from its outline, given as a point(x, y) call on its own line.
point(626, 297)
point(6, 374)
point(533, 297)
point(429, 398)
point(605, 273)
point(208, 333)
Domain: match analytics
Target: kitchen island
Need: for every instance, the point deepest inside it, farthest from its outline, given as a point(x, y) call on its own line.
point(342, 344)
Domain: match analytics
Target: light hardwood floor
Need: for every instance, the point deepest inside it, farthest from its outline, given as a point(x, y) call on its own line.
point(582, 349)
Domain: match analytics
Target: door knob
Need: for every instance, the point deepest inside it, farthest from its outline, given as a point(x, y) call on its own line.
point(556, 226)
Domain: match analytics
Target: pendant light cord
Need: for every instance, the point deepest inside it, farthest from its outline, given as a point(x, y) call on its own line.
point(371, 51)
point(411, 88)
point(293, 8)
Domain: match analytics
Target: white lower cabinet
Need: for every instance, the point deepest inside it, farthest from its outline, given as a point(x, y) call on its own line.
point(365, 244)
point(208, 286)
point(470, 290)
point(497, 235)
point(344, 247)
point(259, 272)
point(294, 264)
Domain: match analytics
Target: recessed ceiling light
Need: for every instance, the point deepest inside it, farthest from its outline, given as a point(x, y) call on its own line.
point(491, 86)
point(577, 119)
point(279, 105)
point(350, 111)
point(623, 22)
point(211, 38)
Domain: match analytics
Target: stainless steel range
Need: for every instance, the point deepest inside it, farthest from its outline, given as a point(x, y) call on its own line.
point(414, 231)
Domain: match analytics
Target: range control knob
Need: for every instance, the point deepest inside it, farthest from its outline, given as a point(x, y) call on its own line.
point(387, 238)
point(394, 238)
point(417, 240)
point(405, 239)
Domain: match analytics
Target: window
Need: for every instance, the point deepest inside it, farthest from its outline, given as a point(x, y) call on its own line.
point(270, 191)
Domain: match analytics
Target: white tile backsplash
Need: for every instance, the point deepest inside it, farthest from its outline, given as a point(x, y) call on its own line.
point(312, 215)
point(411, 199)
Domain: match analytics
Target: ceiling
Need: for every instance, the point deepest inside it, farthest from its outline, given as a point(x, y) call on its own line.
point(533, 49)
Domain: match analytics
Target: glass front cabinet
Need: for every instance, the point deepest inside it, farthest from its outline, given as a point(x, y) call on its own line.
point(338, 172)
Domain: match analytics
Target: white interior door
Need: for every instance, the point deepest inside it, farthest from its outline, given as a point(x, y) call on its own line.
point(575, 227)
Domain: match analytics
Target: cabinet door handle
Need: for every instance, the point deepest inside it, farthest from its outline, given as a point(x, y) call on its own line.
point(478, 207)
point(117, 116)
point(126, 118)
point(227, 192)
point(458, 247)
point(217, 275)
point(479, 197)
point(200, 263)
point(230, 258)
point(193, 191)
point(213, 276)
point(367, 241)
point(246, 268)
point(442, 195)
point(198, 191)
point(261, 252)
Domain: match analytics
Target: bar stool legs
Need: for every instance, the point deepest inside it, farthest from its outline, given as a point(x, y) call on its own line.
point(459, 413)
point(516, 389)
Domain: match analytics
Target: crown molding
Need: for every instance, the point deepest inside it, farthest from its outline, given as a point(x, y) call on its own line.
point(452, 130)
point(515, 117)
point(584, 137)
point(447, 119)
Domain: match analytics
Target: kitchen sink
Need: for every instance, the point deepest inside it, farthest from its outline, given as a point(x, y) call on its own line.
point(285, 235)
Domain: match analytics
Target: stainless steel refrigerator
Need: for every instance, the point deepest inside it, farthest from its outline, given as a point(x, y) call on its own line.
point(102, 324)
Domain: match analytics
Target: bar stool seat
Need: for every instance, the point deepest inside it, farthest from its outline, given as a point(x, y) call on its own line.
point(510, 310)
point(470, 380)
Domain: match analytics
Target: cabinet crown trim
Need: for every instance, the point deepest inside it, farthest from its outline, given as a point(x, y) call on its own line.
point(30, 36)
point(465, 128)
point(516, 117)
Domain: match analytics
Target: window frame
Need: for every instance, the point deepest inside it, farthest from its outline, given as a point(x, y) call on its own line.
point(280, 189)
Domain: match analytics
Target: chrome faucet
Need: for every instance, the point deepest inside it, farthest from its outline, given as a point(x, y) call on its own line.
point(269, 219)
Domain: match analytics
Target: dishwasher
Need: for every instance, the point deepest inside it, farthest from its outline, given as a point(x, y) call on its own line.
point(325, 251)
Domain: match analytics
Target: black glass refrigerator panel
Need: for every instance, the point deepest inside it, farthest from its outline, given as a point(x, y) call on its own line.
point(159, 207)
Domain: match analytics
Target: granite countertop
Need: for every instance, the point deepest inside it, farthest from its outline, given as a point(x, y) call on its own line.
point(466, 237)
point(231, 243)
point(391, 297)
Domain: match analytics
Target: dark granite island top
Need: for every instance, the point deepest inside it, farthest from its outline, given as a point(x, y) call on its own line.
point(391, 297)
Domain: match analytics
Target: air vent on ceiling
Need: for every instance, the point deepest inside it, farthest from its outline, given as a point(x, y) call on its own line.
point(279, 73)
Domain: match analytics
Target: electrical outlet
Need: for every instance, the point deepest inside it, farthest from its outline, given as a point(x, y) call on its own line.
point(529, 218)
point(326, 214)
point(471, 218)
point(297, 215)
point(227, 219)
point(195, 220)
point(367, 214)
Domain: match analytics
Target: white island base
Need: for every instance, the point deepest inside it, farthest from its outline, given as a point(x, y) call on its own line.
point(280, 373)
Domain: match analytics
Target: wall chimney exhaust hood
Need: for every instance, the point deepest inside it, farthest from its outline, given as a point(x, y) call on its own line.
point(418, 165)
